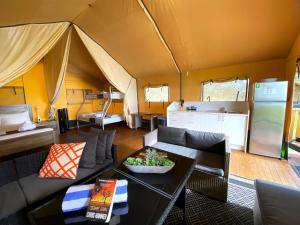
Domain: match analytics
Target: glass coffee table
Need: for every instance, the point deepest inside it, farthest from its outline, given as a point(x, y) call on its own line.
point(150, 197)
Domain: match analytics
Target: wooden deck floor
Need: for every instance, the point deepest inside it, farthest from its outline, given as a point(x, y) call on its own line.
point(254, 166)
point(242, 164)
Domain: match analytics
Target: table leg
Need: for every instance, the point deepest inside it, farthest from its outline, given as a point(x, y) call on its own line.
point(180, 202)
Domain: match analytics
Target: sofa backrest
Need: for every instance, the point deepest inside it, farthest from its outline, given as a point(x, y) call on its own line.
point(30, 164)
point(205, 141)
point(171, 135)
point(8, 173)
point(22, 164)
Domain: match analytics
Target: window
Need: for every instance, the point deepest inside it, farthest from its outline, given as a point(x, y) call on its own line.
point(233, 90)
point(157, 94)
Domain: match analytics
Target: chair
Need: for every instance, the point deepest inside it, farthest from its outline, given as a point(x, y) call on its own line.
point(212, 182)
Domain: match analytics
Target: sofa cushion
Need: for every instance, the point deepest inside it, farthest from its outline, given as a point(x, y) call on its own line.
point(278, 204)
point(88, 158)
point(172, 135)
point(203, 140)
point(212, 160)
point(210, 170)
point(176, 149)
point(30, 164)
point(8, 172)
point(44, 187)
point(12, 199)
point(62, 161)
point(109, 141)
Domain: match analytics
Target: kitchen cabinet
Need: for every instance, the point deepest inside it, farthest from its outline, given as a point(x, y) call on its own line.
point(234, 124)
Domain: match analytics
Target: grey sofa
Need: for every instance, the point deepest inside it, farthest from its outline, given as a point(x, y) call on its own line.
point(20, 188)
point(276, 204)
point(210, 176)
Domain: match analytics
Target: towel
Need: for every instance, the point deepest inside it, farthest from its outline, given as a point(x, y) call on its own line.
point(78, 197)
point(27, 125)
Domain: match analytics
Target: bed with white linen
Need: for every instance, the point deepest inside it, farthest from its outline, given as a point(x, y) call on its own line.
point(87, 116)
point(114, 118)
point(19, 117)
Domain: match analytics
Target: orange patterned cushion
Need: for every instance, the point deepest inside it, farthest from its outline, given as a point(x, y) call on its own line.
point(62, 161)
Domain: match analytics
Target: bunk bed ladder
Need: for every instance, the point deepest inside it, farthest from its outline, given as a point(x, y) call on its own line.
point(107, 104)
point(80, 107)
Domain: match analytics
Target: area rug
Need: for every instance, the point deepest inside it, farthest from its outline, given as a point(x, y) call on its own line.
point(296, 169)
point(201, 210)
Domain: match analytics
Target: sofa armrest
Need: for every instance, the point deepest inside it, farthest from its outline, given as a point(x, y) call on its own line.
point(150, 138)
point(276, 204)
point(114, 153)
point(227, 145)
point(227, 157)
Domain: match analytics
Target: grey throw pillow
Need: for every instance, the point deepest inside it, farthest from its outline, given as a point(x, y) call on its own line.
point(171, 135)
point(109, 141)
point(88, 158)
point(101, 148)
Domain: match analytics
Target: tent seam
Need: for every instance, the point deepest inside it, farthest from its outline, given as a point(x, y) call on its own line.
point(163, 40)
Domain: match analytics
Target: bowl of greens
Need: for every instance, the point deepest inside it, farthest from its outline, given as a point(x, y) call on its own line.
point(150, 161)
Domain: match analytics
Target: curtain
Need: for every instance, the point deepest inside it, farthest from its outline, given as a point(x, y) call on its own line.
point(22, 47)
point(55, 65)
point(298, 67)
point(114, 73)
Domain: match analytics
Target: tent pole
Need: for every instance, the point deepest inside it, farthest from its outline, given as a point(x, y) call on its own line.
point(143, 6)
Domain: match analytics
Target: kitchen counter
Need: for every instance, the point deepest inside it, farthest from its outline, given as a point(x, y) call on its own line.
point(230, 118)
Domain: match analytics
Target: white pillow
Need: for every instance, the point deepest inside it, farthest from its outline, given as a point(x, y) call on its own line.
point(12, 121)
point(27, 126)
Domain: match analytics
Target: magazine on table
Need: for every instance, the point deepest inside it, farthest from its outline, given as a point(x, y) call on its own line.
point(101, 203)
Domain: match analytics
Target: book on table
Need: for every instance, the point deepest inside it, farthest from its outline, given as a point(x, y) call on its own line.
point(101, 203)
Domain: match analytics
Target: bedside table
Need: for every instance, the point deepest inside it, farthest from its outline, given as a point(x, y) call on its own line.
point(50, 124)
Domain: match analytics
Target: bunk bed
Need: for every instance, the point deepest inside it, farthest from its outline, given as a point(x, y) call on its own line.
point(101, 116)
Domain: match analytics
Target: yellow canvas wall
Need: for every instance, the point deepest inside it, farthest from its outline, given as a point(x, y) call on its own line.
point(33, 83)
point(191, 82)
point(78, 81)
point(290, 74)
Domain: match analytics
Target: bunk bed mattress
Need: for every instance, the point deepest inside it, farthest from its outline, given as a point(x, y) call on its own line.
point(115, 118)
point(87, 116)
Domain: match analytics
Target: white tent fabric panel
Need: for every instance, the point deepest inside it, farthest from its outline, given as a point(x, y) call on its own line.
point(22, 47)
point(55, 65)
point(114, 73)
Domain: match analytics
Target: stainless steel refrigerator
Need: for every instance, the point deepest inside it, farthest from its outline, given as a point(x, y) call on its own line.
point(267, 120)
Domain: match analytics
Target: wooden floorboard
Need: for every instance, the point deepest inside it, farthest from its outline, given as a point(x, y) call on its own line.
point(242, 164)
point(252, 167)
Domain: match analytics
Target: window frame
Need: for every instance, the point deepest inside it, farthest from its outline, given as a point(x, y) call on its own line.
point(157, 86)
point(224, 81)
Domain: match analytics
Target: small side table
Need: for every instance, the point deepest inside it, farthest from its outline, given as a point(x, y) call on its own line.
point(145, 120)
point(49, 124)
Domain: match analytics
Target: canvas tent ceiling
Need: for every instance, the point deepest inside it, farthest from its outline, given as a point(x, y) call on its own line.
point(81, 63)
point(200, 33)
